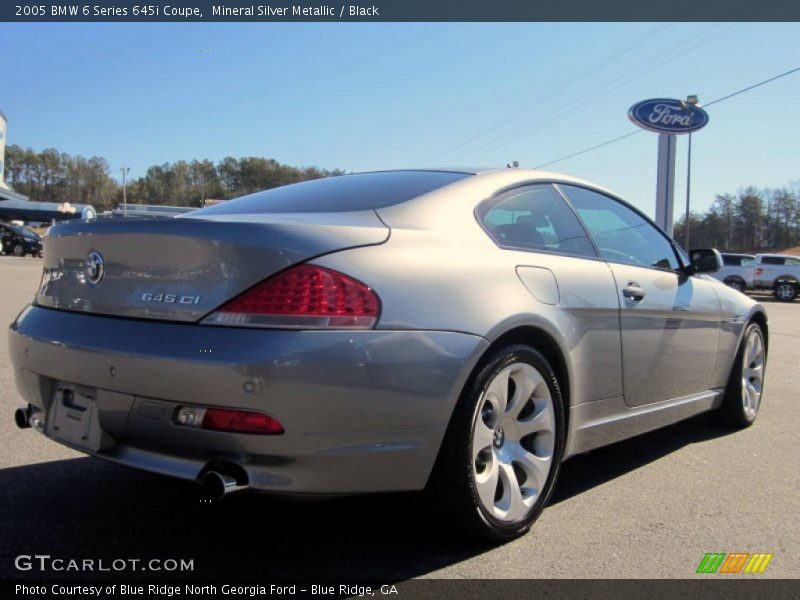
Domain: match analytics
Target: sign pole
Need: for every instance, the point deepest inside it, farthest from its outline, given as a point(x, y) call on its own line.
point(669, 117)
point(665, 182)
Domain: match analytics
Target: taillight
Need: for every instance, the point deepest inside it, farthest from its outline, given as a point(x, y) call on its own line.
point(302, 297)
point(224, 419)
point(759, 270)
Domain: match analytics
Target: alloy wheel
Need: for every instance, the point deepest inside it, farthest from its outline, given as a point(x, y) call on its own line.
point(513, 441)
point(753, 359)
point(785, 291)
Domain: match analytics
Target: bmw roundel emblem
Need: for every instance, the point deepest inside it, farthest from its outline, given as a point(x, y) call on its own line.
point(95, 268)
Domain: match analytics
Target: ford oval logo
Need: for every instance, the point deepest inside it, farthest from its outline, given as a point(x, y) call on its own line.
point(665, 115)
point(95, 268)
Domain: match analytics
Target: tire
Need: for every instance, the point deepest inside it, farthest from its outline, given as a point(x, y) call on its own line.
point(786, 291)
point(500, 457)
point(19, 250)
point(742, 400)
point(736, 283)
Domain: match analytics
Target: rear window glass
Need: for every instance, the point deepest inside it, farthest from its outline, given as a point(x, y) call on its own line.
point(773, 260)
point(361, 191)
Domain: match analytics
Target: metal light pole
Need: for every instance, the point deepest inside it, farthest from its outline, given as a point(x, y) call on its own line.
point(125, 171)
point(688, 193)
point(691, 101)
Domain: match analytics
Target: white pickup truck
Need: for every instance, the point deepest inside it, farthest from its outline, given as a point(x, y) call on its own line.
point(777, 272)
point(738, 271)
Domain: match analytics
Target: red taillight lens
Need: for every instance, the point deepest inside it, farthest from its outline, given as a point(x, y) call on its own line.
point(303, 297)
point(240, 421)
point(759, 270)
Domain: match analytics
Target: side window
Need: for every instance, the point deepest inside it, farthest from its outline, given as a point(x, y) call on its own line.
point(748, 261)
point(535, 218)
point(793, 261)
point(620, 233)
point(732, 260)
point(773, 260)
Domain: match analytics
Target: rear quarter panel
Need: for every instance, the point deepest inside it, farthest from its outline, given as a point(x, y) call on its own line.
point(443, 272)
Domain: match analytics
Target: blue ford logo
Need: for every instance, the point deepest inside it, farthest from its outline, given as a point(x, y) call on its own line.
point(95, 268)
point(665, 115)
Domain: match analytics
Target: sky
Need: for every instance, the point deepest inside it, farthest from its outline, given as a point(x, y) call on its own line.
point(367, 96)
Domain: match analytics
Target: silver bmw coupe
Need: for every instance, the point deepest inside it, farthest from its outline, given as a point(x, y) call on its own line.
point(457, 331)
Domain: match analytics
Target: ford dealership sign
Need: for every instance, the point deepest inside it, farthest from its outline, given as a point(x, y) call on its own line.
point(665, 115)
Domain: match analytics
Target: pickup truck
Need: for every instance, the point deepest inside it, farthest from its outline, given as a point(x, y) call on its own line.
point(777, 272)
point(738, 271)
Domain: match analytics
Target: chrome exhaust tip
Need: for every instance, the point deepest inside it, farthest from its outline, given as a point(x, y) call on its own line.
point(22, 417)
point(218, 485)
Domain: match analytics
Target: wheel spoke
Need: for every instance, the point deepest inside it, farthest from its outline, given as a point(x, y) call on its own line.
point(756, 372)
point(526, 381)
point(511, 503)
point(754, 348)
point(538, 421)
point(752, 396)
point(497, 392)
point(536, 469)
point(482, 438)
point(486, 482)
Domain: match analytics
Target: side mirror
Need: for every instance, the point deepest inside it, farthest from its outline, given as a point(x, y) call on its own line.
point(705, 260)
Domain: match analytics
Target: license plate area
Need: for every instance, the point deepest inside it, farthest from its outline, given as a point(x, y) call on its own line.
point(73, 416)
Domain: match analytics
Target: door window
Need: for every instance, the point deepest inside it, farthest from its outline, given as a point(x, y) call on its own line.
point(620, 233)
point(535, 218)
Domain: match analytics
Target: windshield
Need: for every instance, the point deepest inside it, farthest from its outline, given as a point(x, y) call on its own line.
point(23, 231)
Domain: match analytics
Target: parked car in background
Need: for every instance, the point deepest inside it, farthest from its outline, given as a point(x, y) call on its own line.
point(19, 241)
point(738, 271)
point(779, 273)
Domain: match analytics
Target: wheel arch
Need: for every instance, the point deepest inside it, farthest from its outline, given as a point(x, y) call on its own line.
point(785, 279)
point(760, 317)
point(541, 340)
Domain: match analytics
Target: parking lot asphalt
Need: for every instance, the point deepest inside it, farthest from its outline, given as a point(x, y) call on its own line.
point(649, 507)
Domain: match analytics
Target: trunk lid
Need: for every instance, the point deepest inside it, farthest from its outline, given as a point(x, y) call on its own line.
point(180, 269)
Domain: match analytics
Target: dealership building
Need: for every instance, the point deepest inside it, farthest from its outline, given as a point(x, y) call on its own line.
point(17, 207)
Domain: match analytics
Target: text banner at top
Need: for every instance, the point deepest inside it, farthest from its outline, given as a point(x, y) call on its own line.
point(401, 10)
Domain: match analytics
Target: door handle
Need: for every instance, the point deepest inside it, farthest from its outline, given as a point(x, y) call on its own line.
point(633, 292)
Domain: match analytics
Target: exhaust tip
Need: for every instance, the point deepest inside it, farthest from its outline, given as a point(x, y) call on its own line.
point(22, 417)
point(218, 485)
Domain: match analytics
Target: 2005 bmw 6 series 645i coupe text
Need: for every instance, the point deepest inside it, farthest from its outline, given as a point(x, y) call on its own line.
point(456, 331)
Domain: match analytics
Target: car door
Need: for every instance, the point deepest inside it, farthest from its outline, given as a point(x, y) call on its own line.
point(569, 284)
point(669, 321)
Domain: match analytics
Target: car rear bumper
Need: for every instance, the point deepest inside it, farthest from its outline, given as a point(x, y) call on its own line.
point(363, 411)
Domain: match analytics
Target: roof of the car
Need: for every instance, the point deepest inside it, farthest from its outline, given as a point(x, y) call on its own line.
point(511, 175)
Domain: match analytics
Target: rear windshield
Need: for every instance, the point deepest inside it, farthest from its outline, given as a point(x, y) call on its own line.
point(362, 191)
